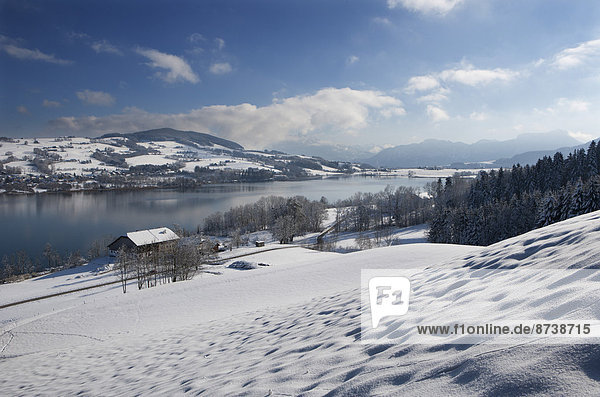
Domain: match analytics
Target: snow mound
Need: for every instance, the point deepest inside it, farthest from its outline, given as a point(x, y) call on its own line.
point(570, 244)
point(243, 265)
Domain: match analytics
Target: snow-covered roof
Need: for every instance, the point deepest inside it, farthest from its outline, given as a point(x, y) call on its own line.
point(152, 236)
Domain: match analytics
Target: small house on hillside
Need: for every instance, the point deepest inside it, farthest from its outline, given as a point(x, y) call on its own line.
point(144, 240)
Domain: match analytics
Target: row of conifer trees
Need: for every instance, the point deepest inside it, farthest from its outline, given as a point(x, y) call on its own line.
point(505, 203)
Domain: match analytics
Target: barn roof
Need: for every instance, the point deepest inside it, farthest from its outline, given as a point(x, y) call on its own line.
point(152, 236)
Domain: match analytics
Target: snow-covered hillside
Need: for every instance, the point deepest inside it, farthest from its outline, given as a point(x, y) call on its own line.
point(293, 328)
point(163, 158)
point(75, 155)
point(78, 156)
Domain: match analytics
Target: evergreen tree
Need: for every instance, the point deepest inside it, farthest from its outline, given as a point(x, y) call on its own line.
point(592, 160)
point(591, 201)
point(577, 200)
point(564, 203)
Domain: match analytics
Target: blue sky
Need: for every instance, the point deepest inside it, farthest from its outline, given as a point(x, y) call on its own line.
point(373, 73)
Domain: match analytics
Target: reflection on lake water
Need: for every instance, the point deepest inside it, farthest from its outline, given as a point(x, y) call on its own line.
point(71, 221)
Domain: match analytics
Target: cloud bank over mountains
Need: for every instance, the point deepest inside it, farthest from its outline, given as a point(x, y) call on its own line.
point(330, 109)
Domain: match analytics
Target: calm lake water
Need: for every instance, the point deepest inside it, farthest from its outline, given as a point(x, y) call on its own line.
point(71, 221)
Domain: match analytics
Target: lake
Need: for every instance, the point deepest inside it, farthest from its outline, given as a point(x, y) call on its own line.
point(72, 221)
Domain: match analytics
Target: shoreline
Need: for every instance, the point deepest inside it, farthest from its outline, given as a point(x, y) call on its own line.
point(411, 173)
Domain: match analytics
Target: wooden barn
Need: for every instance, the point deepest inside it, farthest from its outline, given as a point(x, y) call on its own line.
point(144, 240)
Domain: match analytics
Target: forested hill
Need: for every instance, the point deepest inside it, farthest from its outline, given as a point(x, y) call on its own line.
point(190, 138)
point(505, 203)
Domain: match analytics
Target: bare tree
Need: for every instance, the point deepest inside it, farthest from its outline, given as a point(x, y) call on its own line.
point(206, 252)
point(7, 267)
point(123, 266)
point(284, 229)
point(187, 260)
point(74, 259)
point(99, 247)
point(49, 254)
point(364, 242)
point(236, 238)
point(52, 256)
point(23, 262)
point(388, 235)
point(142, 268)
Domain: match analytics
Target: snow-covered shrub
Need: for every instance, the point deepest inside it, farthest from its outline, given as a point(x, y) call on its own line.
point(243, 265)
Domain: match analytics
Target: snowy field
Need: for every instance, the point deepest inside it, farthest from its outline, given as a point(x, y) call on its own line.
point(351, 240)
point(293, 328)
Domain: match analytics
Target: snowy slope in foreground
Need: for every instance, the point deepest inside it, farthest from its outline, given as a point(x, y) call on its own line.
point(292, 328)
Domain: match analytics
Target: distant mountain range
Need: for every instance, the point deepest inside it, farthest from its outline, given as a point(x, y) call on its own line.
point(435, 152)
point(524, 149)
point(333, 152)
point(189, 138)
point(534, 156)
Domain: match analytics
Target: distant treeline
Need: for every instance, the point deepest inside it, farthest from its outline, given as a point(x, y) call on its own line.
point(400, 207)
point(290, 217)
point(20, 265)
point(505, 203)
point(284, 217)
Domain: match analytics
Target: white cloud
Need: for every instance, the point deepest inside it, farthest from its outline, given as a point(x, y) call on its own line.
point(11, 48)
point(196, 51)
point(441, 94)
point(220, 68)
point(95, 98)
point(565, 105)
point(220, 43)
point(51, 104)
point(382, 21)
point(573, 105)
point(196, 38)
point(328, 110)
point(394, 111)
point(77, 36)
point(581, 136)
point(22, 109)
point(439, 7)
point(378, 148)
point(422, 83)
point(437, 114)
point(106, 47)
point(466, 75)
point(478, 116)
point(352, 59)
point(177, 69)
point(576, 56)
point(477, 77)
